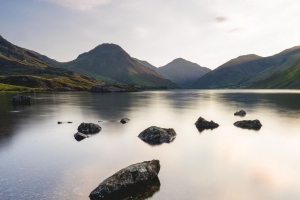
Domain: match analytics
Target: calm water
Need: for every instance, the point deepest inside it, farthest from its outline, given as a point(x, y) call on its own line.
point(40, 159)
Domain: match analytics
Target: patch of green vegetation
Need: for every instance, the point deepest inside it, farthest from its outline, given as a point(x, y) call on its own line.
point(6, 87)
point(288, 79)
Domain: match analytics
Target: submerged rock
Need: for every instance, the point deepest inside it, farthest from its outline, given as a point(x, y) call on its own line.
point(157, 135)
point(59, 122)
point(249, 124)
point(202, 124)
point(124, 120)
point(80, 136)
point(240, 113)
point(89, 128)
point(127, 180)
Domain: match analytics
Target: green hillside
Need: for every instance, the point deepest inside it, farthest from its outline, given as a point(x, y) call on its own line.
point(287, 79)
point(245, 71)
point(21, 69)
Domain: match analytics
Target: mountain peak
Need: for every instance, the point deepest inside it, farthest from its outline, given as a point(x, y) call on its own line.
point(107, 49)
point(241, 59)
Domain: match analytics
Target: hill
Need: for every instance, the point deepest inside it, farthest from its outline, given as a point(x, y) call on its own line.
point(182, 72)
point(287, 79)
point(248, 70)
point(21, 69)
point(146, 64)
point(110, 61)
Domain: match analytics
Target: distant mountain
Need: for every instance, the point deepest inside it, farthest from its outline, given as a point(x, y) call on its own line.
point(145, 63)
point(112, 62)
point(182, 72)
point(287, 79)
point(248, 70)
point(22, 69)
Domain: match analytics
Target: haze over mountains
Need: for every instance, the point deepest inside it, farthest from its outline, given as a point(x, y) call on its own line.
point(110, 62)
point(179, 71)
point(20, 67)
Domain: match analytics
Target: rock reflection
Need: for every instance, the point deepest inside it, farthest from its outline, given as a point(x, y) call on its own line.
point(80, 136)
point(142, 191)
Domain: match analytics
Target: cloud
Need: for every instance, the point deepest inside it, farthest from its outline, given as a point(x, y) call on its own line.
point(236, 30)
point(79, 4)
point(221, 19)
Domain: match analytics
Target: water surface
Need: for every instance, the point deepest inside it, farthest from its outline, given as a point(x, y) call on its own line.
point(41, 159)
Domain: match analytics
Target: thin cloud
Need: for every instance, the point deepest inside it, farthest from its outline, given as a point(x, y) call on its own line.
point(221, 19)
point(236, 30)
point(79, 4)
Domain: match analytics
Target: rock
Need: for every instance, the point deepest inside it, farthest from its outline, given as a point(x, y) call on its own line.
point(249, 124)
point(240, 113)
point(202, 124)
point(88, 128)
point(59, 122)
point(80, 136)
point(130, 178)
point(124, 120)
point(157, 135)
point(70, 122)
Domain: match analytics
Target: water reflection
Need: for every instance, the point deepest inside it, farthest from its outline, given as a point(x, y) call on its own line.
point(42, 160)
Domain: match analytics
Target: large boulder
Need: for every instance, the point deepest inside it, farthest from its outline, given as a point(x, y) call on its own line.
point(157, 135)
point(202, 124)
point(124, 120)
point(128, 179)
point(240, 113)
point(249, 124)
point(89, 128)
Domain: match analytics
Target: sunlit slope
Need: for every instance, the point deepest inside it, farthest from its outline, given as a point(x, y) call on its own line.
point(22, 69)
point(248, 70)
point(287, 79)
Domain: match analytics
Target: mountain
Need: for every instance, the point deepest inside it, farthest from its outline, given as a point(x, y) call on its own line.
point(110, 61)
point(245, 71)
point(21, 69)
point(287, 79)
point(146, 64)
point(182, 72)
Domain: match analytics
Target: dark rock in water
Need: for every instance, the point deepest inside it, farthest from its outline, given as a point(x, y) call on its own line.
point(59, 122)
point(80, 136)
point(157, 135)
point(240, 113)
point(89, 128)
point(21, 100)
point(249, 124)
point(137, 192)
point(128, 180)
point(70, 122)
point(202, 124)
point(124, 120)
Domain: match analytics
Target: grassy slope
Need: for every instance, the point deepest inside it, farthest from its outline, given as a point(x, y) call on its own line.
point(242, 73)
point(21, 69)
point(288, 79)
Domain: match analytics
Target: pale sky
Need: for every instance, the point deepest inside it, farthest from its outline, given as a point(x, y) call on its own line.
point(207, 32)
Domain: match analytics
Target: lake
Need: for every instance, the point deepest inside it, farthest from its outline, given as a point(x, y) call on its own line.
point(40, 159)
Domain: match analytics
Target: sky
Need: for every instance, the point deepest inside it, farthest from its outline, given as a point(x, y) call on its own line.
point(207, 32)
